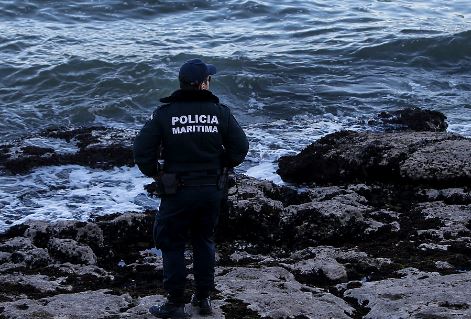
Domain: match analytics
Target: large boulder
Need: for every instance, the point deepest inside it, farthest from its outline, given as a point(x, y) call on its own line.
point(399, 157)
point(413, 119)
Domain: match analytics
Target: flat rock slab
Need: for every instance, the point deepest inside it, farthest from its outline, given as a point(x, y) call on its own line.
point(273, 292)
point(400, 157)
point(98, 304)
point(418, 295)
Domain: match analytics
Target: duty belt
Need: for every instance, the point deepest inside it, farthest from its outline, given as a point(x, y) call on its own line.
point(208, 180)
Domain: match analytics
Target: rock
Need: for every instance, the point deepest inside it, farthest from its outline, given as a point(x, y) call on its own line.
point(17, 243)
point(447, 162)
point(448, 195)
point(83, 272)
point(414, 119)
point(126, 234)
point(326, 264)
point(277, 216)
point(4, 257)
point(453, 220)
point(443, 265)
point(86, 233)
point(70, 251)
point(320, 267)
point(97, 147)
point(282, 250)
point(405, 157)
point(418, 295)
point(33, 284)
point(244, 258)
point(274, 293)
point(37, 231)
point(33, 258)
point(98, 304)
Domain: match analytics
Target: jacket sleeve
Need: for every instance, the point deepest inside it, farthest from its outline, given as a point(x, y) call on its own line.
point(235, 143)
point(147, 146)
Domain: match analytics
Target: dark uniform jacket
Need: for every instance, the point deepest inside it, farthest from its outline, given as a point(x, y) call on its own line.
point(191, 131)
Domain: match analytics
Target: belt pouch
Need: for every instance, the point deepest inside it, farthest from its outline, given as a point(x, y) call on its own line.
point(169, 183)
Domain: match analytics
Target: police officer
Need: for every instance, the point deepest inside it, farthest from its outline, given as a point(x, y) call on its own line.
point(197, 137)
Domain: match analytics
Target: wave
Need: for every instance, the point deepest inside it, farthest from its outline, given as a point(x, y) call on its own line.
point(445, 49)
point(109, 10)
point(87, 10)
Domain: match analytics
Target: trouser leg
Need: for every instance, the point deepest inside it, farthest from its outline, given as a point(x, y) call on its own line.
point(203, 266)
point(174, 273)
point(203, 245)
point(170, 234)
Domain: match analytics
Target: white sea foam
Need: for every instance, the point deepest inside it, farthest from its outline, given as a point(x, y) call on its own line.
point(270, 141)
point(72, 192)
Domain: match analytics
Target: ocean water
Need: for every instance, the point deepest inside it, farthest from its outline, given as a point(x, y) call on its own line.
point(291, 71)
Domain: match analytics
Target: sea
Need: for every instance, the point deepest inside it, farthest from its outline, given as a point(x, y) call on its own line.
point(291, 71)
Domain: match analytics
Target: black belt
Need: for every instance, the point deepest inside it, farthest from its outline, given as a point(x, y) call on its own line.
point(199, 180)
point(205, 173)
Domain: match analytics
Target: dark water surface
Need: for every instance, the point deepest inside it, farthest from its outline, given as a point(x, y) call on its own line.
point(292, 71)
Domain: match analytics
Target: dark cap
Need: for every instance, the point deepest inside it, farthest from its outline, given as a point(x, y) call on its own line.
point(195, 71)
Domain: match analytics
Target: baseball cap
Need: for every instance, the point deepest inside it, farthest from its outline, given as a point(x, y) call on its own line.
point(195, 71)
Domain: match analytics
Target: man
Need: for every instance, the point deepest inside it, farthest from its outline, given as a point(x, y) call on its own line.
point(196, 137)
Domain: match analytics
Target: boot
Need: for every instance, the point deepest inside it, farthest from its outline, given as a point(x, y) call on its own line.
point(204, 305)
point(169, 310)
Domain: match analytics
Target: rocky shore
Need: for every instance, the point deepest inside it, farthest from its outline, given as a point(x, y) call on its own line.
point(369, 225)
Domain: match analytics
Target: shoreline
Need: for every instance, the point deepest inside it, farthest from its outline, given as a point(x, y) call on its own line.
point(385, 231)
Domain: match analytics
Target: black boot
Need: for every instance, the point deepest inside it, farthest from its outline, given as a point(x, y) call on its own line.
point(169, 310)
point(204, 305)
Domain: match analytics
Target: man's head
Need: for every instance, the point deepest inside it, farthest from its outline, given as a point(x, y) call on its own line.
point(195, 74)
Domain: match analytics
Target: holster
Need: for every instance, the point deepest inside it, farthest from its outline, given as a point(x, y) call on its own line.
point(167, 184)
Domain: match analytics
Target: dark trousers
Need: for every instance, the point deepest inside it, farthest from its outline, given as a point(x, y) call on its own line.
point(189, 215)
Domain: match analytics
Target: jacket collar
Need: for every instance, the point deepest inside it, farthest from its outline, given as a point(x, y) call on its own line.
point(183, 95)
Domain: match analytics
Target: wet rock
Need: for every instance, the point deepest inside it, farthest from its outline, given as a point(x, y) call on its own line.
point(448, 195)
point(98, 304)
point(244, 258)
point(33, 258)
point(403, 157)
point(453, 220)
point(251, 210)
point(418, 295)
point(68, 250)
point(85, 272)
point(126, 235)
point(414, 119)
point(274, 293)
point(37, 231)
point(149, 263)
point(329, 265)
point(97, 147)
point(278, 245)
point(4, 257)
point(447, 162)
point(443, 265)
point(36, 283)
point(299, 220)
point(323, 266)
point(86, 233)
point(17, 243)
